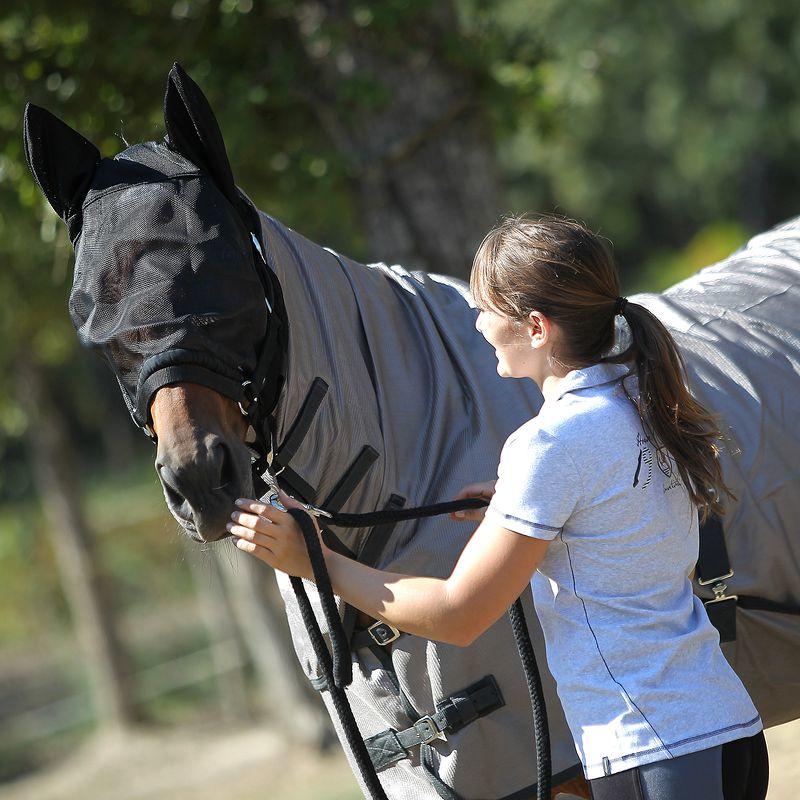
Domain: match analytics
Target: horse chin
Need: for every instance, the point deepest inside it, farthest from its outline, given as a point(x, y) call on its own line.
point(208, 526)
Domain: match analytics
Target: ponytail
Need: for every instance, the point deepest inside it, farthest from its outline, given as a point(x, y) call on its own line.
point(562, 269)
point(671, 417)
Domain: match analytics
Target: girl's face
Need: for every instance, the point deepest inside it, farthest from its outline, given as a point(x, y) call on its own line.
point(511, 340)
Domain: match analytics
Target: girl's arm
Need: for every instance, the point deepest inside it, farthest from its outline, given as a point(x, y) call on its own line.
point(492, 571)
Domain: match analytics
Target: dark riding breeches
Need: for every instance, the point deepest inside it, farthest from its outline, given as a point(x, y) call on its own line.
point(737, 770)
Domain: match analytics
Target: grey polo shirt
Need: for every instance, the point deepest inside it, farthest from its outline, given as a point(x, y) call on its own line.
point(639, 669)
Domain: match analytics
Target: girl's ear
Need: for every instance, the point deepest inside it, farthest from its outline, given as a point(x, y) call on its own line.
point(192, 130)
point(62, 162)
point(537, 326)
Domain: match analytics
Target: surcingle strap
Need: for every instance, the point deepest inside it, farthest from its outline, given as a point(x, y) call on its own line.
point(452, 714)
point(371, 550)
point(714, 569)
point(713, 563)
point(296, 486)
point(354, 474)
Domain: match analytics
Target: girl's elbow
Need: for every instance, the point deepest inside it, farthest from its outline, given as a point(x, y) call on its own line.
point(465, 634)
point(456, 639)
point(465, 626)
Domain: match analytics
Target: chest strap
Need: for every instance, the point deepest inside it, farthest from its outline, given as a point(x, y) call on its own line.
point(452, 714)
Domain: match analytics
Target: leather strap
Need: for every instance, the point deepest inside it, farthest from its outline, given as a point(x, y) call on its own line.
point(302, 423)
point(452, 714)
point(712, 563)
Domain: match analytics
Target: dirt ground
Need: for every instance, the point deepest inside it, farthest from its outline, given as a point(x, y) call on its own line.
point(206, 763)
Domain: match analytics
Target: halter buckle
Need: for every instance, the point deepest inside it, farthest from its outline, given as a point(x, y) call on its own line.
point(249, 398)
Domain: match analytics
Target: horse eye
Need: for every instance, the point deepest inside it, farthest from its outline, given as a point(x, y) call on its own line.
point(116, 277)
point(110, 291)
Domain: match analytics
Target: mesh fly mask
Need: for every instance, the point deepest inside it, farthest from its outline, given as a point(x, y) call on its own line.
point(170, 285)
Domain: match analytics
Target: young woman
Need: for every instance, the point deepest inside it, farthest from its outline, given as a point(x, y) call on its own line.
point(596, 504)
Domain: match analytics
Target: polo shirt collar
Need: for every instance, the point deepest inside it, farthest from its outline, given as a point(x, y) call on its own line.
point(593, 375)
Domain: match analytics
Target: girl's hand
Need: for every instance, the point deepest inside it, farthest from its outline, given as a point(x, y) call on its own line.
point(272, 535)
point(484, 490)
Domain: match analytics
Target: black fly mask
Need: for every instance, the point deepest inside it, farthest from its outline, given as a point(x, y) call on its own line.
point(170, 283)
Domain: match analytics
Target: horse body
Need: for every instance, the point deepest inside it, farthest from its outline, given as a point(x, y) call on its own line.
point(415, 380)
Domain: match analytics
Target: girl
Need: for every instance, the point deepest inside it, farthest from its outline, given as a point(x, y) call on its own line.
point(596, 504)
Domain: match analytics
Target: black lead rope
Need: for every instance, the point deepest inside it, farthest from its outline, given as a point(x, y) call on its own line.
point(336, 665)
point(373, 518)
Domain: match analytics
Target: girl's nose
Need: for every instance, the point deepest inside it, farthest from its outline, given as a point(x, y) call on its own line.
point(478, 321)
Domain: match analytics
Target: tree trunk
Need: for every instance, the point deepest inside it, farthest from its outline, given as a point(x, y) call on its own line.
point(88, 594)
point(422, 157)
point(287, 696)
point(227, 651)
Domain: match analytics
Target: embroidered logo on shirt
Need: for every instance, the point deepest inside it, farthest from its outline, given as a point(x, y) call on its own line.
point(646, 459)
point(667, 466)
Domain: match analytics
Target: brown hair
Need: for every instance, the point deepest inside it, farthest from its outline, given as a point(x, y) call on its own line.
point(558, 267)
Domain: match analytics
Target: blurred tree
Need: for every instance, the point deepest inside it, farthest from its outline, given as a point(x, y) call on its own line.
point(402, 110)
point(87, 591)
point(650, 121)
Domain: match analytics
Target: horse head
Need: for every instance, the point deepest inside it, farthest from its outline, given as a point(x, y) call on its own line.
point(171, 289)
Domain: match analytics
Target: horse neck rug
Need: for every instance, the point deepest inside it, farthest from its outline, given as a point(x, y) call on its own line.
point(409, 376)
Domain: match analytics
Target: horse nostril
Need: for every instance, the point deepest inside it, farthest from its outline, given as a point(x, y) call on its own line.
point(170, 483)
point(226, 464)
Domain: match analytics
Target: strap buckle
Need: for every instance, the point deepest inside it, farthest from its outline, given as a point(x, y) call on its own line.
point(719, 587)
point(428, 729)
point(383, 633)
point(719, 590)
point(718, 579)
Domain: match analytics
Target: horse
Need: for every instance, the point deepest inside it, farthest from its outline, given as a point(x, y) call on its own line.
point(238, 342)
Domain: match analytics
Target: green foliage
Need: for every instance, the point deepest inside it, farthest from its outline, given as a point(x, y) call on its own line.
point(649, 121)
point(672, 129)
point(711, 244)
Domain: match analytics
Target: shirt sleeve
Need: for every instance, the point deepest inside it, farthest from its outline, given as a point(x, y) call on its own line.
point(538, 486)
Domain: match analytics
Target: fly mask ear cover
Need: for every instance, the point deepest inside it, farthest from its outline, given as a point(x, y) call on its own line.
point(166, 286)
